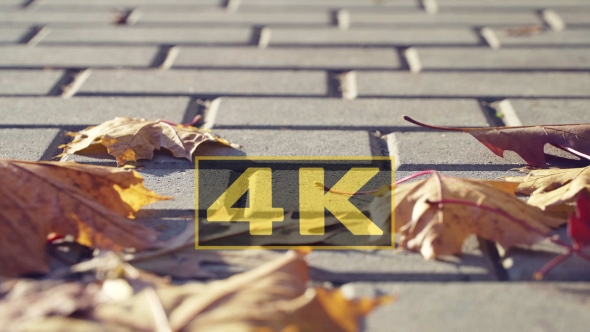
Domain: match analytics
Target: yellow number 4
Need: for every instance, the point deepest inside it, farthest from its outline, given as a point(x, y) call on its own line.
point(260, 213)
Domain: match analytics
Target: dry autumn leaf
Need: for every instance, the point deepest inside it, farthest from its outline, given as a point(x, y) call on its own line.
point(130, 139)
point(90, 203)
point(271, 297)
point(550, 187)
point(528, 141)
point(436, 215)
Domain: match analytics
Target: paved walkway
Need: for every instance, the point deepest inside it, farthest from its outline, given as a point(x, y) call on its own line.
point(321, 77)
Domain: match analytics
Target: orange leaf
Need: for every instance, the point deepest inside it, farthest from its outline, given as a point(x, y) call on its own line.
point(130, 139)
point(87, 202)
point(436, 215)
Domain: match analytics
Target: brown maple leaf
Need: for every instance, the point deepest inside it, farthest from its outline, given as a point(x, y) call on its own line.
point(90, 203)
point(550, 187)
point(436, 215)
point(528, 141)
point(272, 297)
point(130, 139)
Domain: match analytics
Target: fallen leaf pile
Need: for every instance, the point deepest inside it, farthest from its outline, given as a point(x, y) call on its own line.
point(130, 139)
point(90, 203)
point(44, 203)
point(124, 284)
point(272, 297)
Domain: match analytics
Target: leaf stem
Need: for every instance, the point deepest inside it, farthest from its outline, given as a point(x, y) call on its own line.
point(538, 275)
point(193, 123)
point(572, 151)
point(421, 124)
point(415, 175)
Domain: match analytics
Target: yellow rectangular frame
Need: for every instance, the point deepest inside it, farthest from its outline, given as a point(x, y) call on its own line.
point(371, 158)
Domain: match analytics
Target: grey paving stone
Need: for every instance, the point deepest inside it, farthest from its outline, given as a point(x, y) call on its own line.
point(521, 264)
point(485, 175)
point(37, 82)
point(548, 37)
point(161, 175)
point(476, 306)
point(118, 6)
point(25, 144)
point(300, 142)
point(235, 112)
point(335, 3)
point(389, 265)
point(88, 110)
point(552, 111)
point(336, 266)
point(139, 2)
point(136, 35)
point(177, 183)
point(449, 151)
point(537, 4)
point(28, 17)
point(219, 82)
point(579, 16)
point(420, 17)
point(327, 58)
point(472, 84)
point(12, 35)
point(414, 36)
point(11, 2)
point(261, 18)
point(60, 56)
point(480, 58)
point(258, 143)
point(6, 8)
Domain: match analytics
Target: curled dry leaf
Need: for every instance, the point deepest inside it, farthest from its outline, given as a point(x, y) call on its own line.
point(550, 187)
point(130, 139)
point(528, 141)
point(436, 215)
point(90, 203)
point(271, 297)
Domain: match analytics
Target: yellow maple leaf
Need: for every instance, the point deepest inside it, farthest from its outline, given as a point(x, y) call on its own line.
point(551, 187)
point(434, 216)
point(130, 139)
